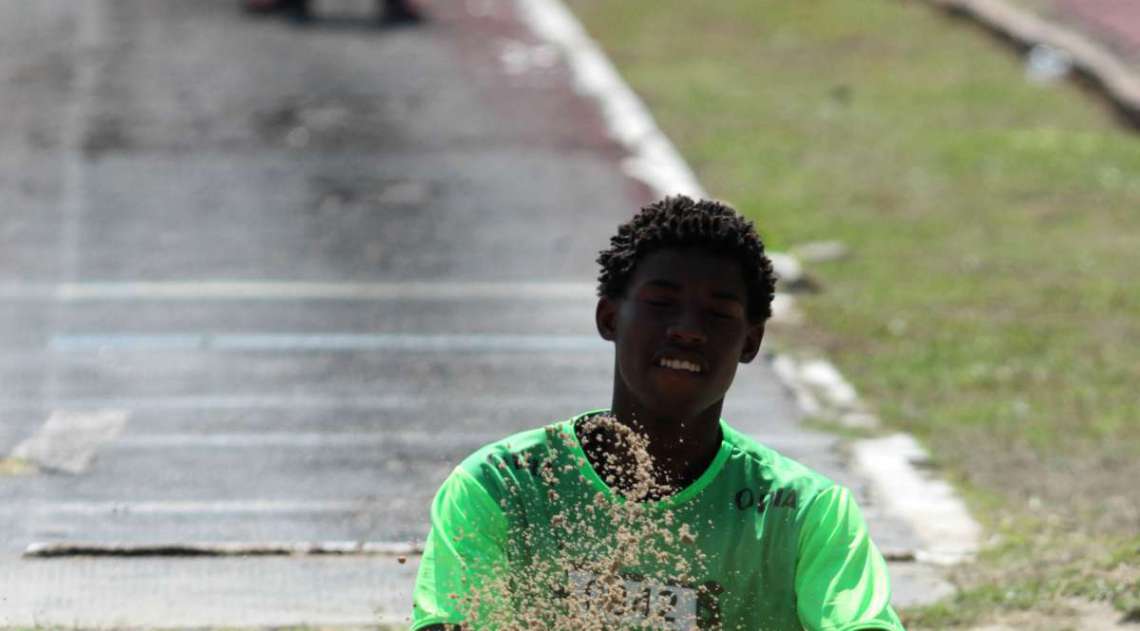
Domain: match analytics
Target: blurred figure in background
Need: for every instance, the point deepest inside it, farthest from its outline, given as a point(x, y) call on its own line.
point(390, 11)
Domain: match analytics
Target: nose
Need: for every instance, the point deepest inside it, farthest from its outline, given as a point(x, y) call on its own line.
point(686, 331)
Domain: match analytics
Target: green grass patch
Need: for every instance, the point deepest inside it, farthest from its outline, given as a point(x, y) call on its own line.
point(378, 627)
point(1017, 576)
point(989, 305)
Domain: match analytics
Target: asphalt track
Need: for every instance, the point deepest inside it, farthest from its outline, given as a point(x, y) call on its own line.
point(261, 283)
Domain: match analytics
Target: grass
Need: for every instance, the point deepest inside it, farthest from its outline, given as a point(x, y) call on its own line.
point(379, 627)
point(989, 307)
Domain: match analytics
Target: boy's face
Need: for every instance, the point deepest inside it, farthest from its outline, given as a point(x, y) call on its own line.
point(680, 331)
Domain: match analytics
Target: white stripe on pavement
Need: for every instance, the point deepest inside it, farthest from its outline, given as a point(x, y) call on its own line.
point(277, 401)
point(574, 402)
point(653, 160)
point(230, 507)
point(232, 290)
point(442, 343)
point(299, 439)
point(466, 440)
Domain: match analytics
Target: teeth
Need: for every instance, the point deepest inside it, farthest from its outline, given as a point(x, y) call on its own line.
point(680, 364)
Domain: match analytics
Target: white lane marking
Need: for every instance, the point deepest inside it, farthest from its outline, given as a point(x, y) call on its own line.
point(347, 401)
point(361, 439)
point(47, 550)
point(298, 439)
point(572, 402)
point(67, 441)
point(128, 342)
point(195, 507)
point(653, 159)
point(234, 290)
point(443, 343)
point(929, 505)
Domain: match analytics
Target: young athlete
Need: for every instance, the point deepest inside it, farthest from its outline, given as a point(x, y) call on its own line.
point(566, 527)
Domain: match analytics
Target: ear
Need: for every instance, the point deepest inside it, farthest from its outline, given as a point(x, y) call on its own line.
point(752, 340)
point(605, 317)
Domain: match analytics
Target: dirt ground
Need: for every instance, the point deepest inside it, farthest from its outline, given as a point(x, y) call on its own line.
point(1077, 615)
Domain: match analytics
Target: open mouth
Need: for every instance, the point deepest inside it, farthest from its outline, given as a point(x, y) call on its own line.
point(679, 364)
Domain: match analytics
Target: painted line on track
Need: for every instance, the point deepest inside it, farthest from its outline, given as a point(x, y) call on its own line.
point(239, 290)
point(192, 507)
point(572, 401)
point(395, 342)
point(467, 440)
point(653, 158)
point(470, 441)
point(284, 402)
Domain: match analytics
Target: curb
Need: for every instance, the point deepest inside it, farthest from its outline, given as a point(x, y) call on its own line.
point(51, 550)
point(1103, 67)
point(817, 385)
point(894, 463)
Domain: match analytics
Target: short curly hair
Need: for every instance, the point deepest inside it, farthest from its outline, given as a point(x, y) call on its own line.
point(680, 221)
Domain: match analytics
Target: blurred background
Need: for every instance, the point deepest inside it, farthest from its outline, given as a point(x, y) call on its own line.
point(268, 271)
point(986, 199)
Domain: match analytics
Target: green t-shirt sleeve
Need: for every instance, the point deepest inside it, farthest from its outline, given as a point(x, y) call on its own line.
point(465, 546)
point(841, 579)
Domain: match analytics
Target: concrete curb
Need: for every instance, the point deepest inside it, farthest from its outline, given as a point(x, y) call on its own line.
point(894, 464)
point(818, 386)
point(1118, 81)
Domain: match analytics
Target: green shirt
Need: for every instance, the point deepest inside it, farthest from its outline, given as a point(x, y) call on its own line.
point(779, 545)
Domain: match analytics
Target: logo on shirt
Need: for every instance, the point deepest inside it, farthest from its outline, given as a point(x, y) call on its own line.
point(642, 602)
point(781, 498)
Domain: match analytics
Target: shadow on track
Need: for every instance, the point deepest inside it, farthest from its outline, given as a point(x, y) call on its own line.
point(390, 14)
